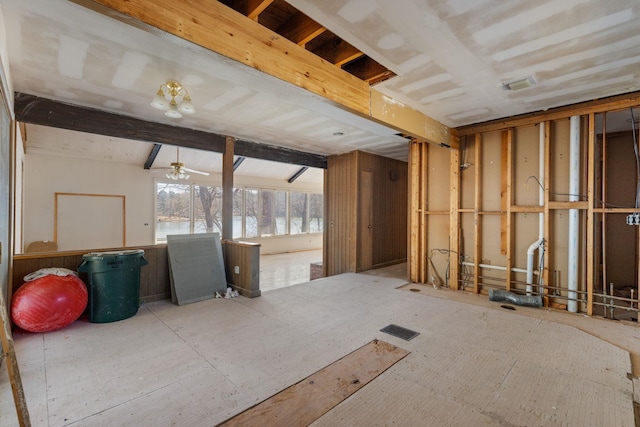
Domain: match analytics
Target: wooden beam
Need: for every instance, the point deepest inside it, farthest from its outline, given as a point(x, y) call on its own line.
point(603, 105)
point(216, 27)
point(238, 162)
point(411, 122)
point(297, 174)
point(300, 29)
point(279, 154)
point(46, 112)
point(152, 155)
point(338, 52)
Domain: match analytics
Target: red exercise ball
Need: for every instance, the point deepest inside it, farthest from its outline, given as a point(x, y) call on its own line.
point(49, 303)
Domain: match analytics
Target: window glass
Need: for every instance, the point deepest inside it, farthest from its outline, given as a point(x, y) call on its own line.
point(299, 218)
point(207, 212)
point(281, 212)
point(316, 213)
point(268, 210)
point(251, 202)
point(238, 194)
point(173, 210)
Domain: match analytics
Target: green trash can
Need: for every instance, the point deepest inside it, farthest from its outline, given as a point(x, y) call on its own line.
point(113, 282)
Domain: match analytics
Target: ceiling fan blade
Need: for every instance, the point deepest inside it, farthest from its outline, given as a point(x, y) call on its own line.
point(195, 171)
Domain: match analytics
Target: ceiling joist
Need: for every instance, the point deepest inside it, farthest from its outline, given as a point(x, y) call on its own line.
point(221, 29)
point(300, 29)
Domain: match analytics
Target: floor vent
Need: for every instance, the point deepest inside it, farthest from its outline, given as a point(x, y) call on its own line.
point(400, 332)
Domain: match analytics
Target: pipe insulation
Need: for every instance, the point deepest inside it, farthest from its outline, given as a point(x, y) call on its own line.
point(574, 191)
point(524, 300)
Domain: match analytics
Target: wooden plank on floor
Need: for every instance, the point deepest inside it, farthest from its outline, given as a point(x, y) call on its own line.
point(304, 402)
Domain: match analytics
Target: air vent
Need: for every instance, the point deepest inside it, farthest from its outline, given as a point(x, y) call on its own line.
point(520, 83)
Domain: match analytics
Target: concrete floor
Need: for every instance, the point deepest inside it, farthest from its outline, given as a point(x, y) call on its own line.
point(199, 364)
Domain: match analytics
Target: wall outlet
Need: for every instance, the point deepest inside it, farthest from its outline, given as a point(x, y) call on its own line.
point(236, 269)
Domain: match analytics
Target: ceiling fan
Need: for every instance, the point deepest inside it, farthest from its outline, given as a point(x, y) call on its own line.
point(179, 171)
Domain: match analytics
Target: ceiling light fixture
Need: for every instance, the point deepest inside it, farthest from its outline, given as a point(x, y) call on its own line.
point(178, 172)
point(173, 99)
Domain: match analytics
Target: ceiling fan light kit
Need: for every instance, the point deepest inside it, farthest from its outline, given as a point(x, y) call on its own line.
point(179, 171)
point(173, 99)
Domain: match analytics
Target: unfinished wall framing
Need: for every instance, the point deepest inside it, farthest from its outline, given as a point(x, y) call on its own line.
point(537, 205)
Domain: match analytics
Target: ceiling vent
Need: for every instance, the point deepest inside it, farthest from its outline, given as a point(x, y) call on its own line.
point(520, 83)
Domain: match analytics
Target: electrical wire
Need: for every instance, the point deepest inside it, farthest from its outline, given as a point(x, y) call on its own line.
point(581, 196)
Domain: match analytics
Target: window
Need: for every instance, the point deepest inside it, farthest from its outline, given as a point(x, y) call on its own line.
point(187, 209)
point(251, 212)
point(257, 212)
point(173, 210)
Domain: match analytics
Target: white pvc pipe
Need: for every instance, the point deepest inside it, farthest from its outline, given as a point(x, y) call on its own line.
point(530, 252)
point(498, 267)
point(574, 190)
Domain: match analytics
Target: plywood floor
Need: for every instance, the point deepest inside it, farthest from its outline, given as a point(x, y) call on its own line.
point(199, 364)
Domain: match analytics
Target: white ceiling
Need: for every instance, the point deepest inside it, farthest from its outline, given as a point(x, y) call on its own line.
point(451, 58)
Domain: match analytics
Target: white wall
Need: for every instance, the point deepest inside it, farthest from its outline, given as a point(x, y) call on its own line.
point(47, 174)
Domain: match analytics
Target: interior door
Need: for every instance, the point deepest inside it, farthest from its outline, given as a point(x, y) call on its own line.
point(366, 220)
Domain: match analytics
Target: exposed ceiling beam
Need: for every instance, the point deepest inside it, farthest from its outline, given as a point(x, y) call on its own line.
point(297, 174)
point(300, 29)
point(46, 112)
point(238, 162)
point(152, 155)
point(216, 27)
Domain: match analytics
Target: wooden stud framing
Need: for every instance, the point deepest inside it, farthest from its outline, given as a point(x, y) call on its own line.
point(454, 220)
point(547, 220)
point(505, 145)
point(8, 351)
point(414, 212)
point(508, 217)
point(477, 232)
point(424, 223)
point(591, 173)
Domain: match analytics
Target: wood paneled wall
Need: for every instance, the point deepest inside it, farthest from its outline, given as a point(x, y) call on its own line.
point(154, 277)
point(246, 257)
point(340, 205)
point(343, 216)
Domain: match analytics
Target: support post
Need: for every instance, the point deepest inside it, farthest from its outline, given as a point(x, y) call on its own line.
point(227, 189)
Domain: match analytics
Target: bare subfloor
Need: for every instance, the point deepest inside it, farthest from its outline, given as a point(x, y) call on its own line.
point(199, 364)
